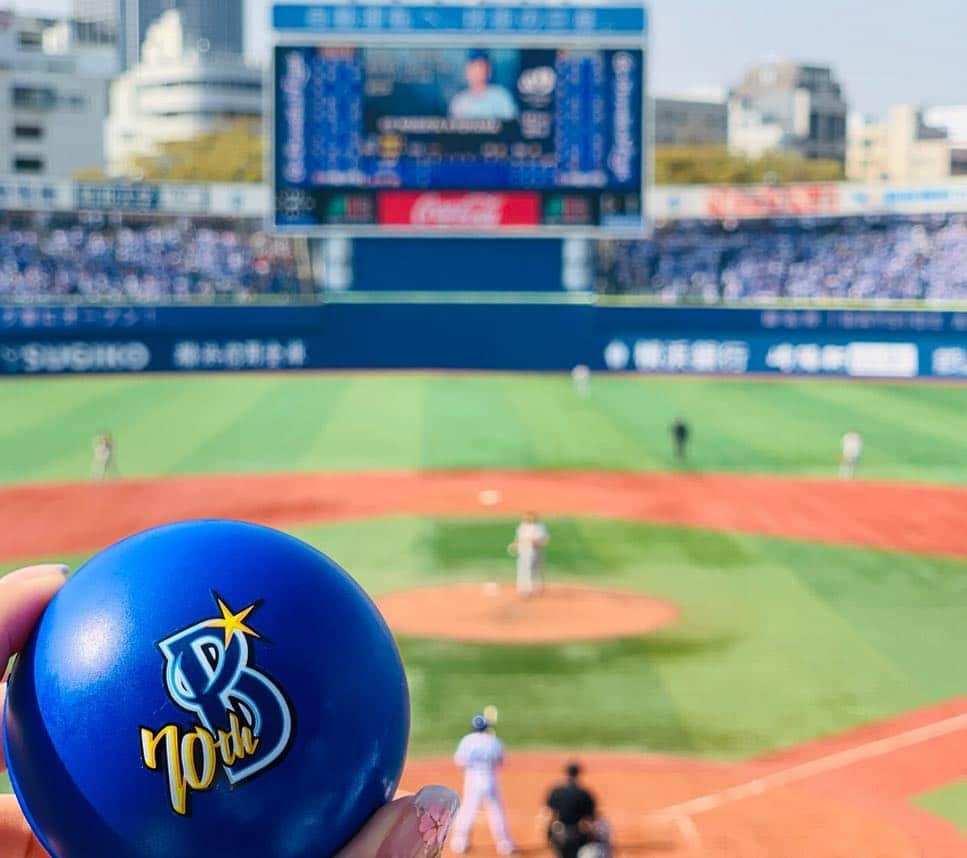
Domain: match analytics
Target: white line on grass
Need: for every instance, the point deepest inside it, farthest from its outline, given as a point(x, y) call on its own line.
point(820, 766)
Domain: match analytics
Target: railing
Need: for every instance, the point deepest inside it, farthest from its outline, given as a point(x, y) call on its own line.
point(311, 299)
point(686, 202)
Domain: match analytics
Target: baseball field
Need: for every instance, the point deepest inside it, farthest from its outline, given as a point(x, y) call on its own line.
point(752, 657)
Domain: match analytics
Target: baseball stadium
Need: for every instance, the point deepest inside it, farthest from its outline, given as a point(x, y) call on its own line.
point(742, 437)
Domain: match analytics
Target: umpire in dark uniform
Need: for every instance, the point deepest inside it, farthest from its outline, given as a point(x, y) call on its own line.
point(680, 433)
point(572, 812)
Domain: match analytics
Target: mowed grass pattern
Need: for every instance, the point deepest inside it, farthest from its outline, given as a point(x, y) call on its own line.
point(239, 423)
point(779, 641)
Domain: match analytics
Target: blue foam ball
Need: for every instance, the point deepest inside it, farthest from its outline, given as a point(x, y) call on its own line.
point(206, 689)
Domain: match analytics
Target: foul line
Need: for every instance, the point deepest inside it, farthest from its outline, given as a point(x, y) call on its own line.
point(823, 765)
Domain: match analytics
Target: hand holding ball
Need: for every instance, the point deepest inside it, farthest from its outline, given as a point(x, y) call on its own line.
point(206, 689)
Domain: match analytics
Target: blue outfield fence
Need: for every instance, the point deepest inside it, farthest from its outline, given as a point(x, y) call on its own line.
point(517, 336)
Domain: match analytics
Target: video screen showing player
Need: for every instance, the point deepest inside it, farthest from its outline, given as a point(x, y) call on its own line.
point(490, 104)
point(500, 118)
point(482, 99)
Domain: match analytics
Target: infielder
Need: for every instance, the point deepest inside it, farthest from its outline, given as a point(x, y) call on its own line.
point(528, 547)
point(852, 449)
point(480, 754)
point(104, 462)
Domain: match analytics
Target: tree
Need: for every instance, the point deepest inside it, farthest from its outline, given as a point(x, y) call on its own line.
point(714, 165)
point(90, 174)
point(232, 153)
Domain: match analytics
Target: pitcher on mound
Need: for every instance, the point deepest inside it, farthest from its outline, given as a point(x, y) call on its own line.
point(528, 547)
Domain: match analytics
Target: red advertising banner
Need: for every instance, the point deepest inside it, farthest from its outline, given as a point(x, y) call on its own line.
point(458, 209)
point(772, 201)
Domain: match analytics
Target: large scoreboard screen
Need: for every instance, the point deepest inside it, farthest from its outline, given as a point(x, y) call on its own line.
point(445, 118)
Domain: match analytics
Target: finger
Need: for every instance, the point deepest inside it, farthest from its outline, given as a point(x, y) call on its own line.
point(375, 831)
point(29, 572)
point(23, 596)
point(16, 838)
point(414, 827)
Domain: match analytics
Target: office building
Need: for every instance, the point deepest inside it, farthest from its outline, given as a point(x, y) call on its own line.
point(684, 120)
point(901, 149)
point(785, 106)
point(177, 92)
point(213, 26)
point(105, 11)
point(952, 119)
point(54, 78)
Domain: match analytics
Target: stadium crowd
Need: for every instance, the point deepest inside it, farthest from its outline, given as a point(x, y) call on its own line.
point(141, 259)
point(846, 258)
point(103, 257)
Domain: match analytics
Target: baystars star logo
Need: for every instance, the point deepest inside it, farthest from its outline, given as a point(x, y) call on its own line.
point(244, 723)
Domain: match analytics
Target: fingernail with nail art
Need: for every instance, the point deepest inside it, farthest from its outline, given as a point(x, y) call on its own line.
point(423, 828)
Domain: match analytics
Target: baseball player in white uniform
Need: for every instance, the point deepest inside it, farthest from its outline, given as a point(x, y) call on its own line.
point(528, 547)
point(581, 376)
point(104, 462)
point(480, 754)
point(852, 447)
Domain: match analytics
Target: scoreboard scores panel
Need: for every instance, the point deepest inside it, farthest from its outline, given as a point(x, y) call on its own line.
point(418, 119)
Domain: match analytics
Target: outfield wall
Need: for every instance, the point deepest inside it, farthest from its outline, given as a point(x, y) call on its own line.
point(522, 335)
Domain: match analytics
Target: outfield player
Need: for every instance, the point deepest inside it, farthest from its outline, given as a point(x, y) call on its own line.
point(528, 547)
point(480, 754)
point(581, 377)
point(680, 433)
point(104, 461)
point(852, 449)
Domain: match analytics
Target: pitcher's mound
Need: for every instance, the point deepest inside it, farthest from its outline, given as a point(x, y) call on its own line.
point(492, 613)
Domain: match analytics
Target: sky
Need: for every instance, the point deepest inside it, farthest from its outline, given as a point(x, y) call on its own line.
point(883, 51)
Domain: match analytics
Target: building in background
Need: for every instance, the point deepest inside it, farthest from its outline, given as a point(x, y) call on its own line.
point(953, 120)
point(209, 25)
point(54, 78)
point(178, 91)
point(784, 106)
point(102, 16)
point(901, 149)
point(686, 120)
point(104, 11)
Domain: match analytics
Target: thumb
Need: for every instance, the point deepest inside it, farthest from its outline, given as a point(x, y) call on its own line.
point(15, 835)
point(412, 827)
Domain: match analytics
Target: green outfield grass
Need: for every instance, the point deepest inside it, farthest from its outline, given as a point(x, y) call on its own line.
point(779, 642)
point(949, 803)
point(238, 423)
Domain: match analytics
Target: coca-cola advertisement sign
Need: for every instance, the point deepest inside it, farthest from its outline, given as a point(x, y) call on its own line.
point(457, 210)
